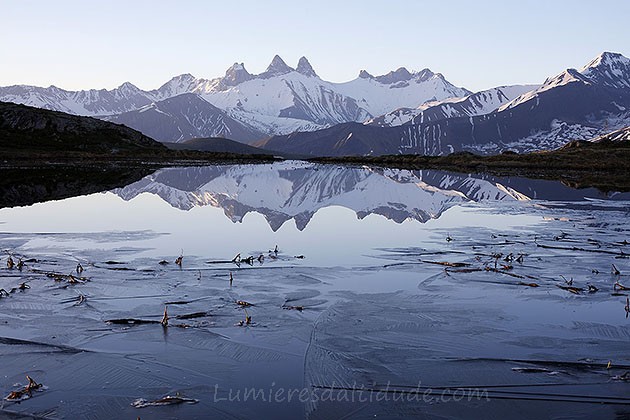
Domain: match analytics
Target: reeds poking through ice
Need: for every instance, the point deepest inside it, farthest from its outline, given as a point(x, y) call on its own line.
point(272, 255)
point(574, 290)
point(615, 270)
point(247, 321)
point(164, 321)
point(506, 268)
point(512, 264)
point(24, 392)
point(75, 278)
point(59, 277)
point(21, 287)
point(166, 400)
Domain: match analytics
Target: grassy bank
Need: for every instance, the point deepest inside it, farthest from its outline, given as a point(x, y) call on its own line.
point(37, 159)
point(604, 165)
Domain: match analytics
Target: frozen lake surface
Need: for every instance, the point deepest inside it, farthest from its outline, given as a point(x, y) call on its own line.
point(391, 294)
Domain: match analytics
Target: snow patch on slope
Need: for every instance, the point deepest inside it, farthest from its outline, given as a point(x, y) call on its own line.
point(479, 103)
point(379, 98)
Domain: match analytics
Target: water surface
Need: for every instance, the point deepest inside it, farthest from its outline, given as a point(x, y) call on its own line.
point(352, 306)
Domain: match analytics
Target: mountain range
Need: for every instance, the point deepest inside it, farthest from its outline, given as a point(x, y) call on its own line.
point(243, 106)
point(574, 105)
point(480, 103)
point(292, 110)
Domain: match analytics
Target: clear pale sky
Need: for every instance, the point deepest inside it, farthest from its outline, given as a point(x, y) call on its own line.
point(476, 44)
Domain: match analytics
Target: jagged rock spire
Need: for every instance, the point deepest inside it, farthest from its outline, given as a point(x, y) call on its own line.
point(365, 75)
point(399, 75)
point(235, 75)
point(277, 66)
point(305, 68)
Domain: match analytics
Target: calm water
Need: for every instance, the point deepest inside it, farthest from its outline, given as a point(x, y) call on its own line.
point(352, 317)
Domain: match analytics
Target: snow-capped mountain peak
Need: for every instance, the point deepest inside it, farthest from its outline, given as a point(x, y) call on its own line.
point(607, 59)
point(277, 67)
point(363, 74)
point(128, 86)
point(609, 69)
point(305, 68)
point(126, 90)
point(176, 86)
point(426, 74)
point(181, 79)
point(382, 94)
point(399, 75)
point(235, 75)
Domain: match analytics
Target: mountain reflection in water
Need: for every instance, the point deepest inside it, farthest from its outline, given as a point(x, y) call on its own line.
point(297, 190)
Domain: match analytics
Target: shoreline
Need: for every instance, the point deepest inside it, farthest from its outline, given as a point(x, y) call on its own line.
point(603, 165)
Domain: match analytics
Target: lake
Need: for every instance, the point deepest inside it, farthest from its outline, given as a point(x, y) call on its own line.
point(355, 293)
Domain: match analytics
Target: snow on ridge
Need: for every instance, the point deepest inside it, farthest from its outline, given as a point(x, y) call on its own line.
point(281, 92)
point(607, 69)
point(479, 103)
point(560, 133)
point(284, 99)
point(607, 59)
point(566, 77)
point(621, 134)
point(378, 98)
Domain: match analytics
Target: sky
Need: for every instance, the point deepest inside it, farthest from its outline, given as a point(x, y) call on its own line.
point(78, 44)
